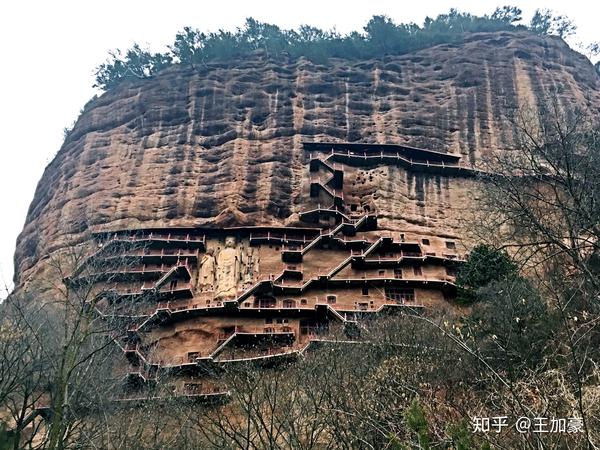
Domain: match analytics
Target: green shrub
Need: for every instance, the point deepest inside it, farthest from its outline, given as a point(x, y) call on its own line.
point(484, 266)
point(381, 36)
point(417, 423)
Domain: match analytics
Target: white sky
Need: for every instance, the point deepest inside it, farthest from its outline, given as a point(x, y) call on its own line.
point(50, 48)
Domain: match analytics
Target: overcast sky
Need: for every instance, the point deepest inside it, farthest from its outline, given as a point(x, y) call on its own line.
point(50, 48)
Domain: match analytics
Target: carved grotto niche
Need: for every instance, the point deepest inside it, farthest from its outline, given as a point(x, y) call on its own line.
point(207, 271)
point(228, 270)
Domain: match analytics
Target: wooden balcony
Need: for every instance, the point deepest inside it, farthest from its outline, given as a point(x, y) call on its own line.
point(160, 238)
point(269, 237)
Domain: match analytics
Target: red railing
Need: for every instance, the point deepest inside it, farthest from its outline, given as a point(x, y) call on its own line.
point(225, 335)
point(160, 252)
point(178, 287)
point(279, 236)
point(158, 236)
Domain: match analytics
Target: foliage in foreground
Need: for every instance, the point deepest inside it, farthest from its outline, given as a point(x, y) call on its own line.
point(381, 36)
point(530, 348)
point(485, 265)
point(415, 382)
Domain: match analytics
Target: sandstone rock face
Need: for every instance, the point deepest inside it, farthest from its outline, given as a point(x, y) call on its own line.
point(263, 206)
point(222, 145)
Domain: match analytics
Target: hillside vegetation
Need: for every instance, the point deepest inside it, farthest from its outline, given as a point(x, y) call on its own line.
point(381, 36)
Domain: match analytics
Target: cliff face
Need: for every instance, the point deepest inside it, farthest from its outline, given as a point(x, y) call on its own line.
point(221, 146)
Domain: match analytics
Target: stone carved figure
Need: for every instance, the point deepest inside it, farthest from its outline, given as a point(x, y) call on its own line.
point(256, 262)
point(228, 269)
point(207, 271)
point(249, 268)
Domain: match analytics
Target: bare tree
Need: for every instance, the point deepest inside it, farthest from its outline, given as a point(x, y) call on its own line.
point(541, 202)
point(60, 359)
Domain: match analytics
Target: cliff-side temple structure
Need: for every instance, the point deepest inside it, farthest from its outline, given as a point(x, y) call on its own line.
point(247, 212)
point(219, 296)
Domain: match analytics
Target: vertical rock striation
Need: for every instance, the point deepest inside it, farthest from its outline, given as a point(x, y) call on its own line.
point(221, 146)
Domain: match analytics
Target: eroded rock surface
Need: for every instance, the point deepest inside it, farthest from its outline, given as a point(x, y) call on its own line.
point(221, 146)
